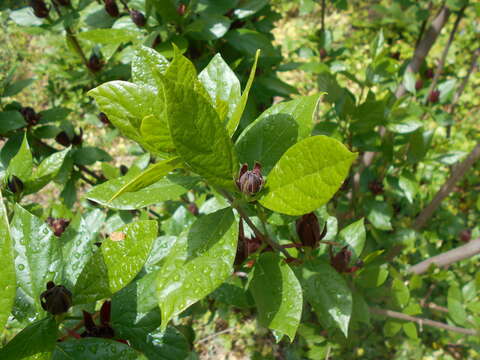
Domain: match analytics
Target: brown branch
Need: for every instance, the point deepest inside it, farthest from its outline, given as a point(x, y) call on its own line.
point(425, 45)
point(449, 257)
point(423, 26)
point(422, 321)
point(441, 64)
point(457, 173)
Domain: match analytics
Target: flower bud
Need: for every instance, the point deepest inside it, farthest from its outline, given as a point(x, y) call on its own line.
point(250, 182)
point(434, 96)
point(58, 225)
point(94, 63)
point(103, 118)
point(123, 169)
point(138, 18)
point(308, 230)
point(323, 53)
point(111, 8)
point(395, 55)
point(63, 2)
point(429, 73)
point(466, 235)
point(104, 330)
point(418, 84)
point(341, 261)
point(182, 9)
point(40, 9)
point(77, 138)
point(15, 184)
point(57, 299)
point(63, 139)
point(30, 115)
point(376, 187)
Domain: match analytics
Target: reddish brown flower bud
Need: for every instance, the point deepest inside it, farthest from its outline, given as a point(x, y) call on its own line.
point(182, 9)
point(308, 230)
point(63, 2)
point(193, 208)
point(323, 53)
point(15, 184)
point(418, 84)
point(103, 118)
point(138, 18)
point(58, 225)
point(104, 330)
point(250, 182)
point(57, 299)
point(111, 8)
point(434, 96)
point(465, 235)
point(40, 9)
point(395, 55)
point(95, 64)
point(30, 115)
point(77, 138)
point(376, 187)
point(341, 261)
point(429, 73)
point(63, 139)
point(123, 169)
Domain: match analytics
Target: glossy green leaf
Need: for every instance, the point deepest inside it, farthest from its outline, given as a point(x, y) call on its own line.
point(92, 284)
point(126, 252)
point(11, 120)
point(277, 293)
point(21, 164)
point(149, 176)
point(162, 190)
point(275, 131)
point(7, 280)
point(88, 155)
point(199, 136)
point(199, 262)
point(38, 337)
point(328, 293)
point(380, 215)
point(46, 171)
point(456, 308)
point(307, 175)
point(156, 134)
point(207, 28)
point(372, 276)
point(237, 114)
point(354, 235)
point(37, 260)
point(249, 8)
point(95, 349)
point(222, 85)
point(411, 330)
point(146, 65)
point(79, 244)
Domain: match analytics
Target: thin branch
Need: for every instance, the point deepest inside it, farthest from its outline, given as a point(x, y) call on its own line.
point(457, 173)
point(449, 257)
point(423, 26)
point(323, 17)
point(421, 321)
point(252, 226)
point(91, 173)
point(207, 338)
point(441, 64)
point(425, 45)
point(436, 307)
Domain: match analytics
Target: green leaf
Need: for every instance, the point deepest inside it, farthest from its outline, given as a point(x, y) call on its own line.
point(88, 155)
point(400, 292)
point(110, 36)
point(167, 10)
point(37, 260)
point(277, 294)
point(237, 114)
point(156, 134)
point(38, 337)
point(360, 310)
point(92, 283)
point(199, 262)
point(307, 175)
point(199, 136)
point(53, 115)
point(411, 330)
point(94, 349)
point(409, 81)
point(7, 280)
point(328, 293)
point(78, 244)
point(126, 105)
point(250, 7)
point(456, 309)
point(162, 190)
point(275, 131)
point(46, 171)
point(21, 164)
point(209, 27)
point(222, 85)
point(372, 276)
point(380, 214)
point(146, 64)
point(25, 17)
point(126, 252)
point(354, 235)
point(149, 176)
point(11, 120)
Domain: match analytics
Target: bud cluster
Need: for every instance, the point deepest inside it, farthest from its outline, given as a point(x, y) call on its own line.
point(58, 225)
point(57, 299)
point(30, 116)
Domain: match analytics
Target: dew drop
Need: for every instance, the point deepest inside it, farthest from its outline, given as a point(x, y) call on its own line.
point(21, 267)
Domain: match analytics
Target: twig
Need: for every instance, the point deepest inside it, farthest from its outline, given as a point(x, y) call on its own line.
point(449, 257)
point(209, 337)
point(421, 321)
point(91, 173)
point(433, 306)
point(441, 64)
point(423, 26)
point(323, 17)
point(252, 226)
point(424, 46)
point(457, 173)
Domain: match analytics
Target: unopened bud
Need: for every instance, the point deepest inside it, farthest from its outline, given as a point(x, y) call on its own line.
point(104, 330)
point(77, 138)
point(94, 63)
point(58, 225)
point(63, 2)
point(57, 299)
point(308, 230)
point(434, 96)
point(103, 118)
point(250, 182)
point(466, 235)
point(111, 8)
point(30, 115)
point(419, 84)
point(15, 184)
point(63, 139)
point(138, 18)
point(341, 261)
point(323, 53)
point(376, 187)
point(429, 73)
point(40, 9)
point(123, 169)
point(182, 9)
